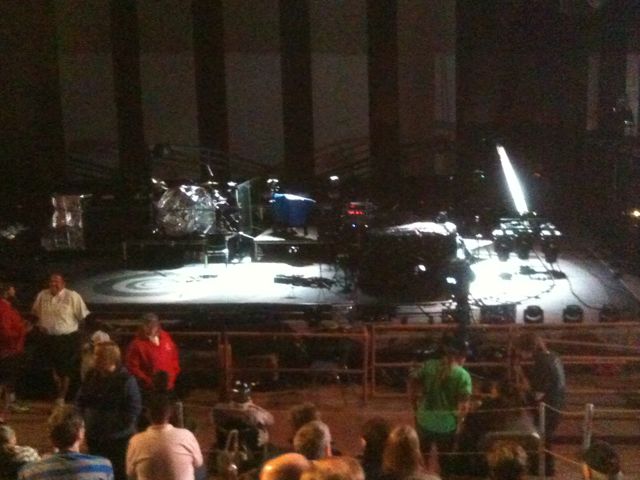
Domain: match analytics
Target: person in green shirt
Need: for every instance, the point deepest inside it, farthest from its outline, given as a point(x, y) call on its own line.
point(440, 390)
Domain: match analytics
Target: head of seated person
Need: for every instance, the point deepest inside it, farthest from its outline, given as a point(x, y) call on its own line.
point(289, 466)
point(303, 413)
point(402, 456)
point(313, 440)
point(335, 468)
point(507, 460)
point(601, 462)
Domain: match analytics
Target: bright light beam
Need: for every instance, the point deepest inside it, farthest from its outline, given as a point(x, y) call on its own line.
point(512, 182)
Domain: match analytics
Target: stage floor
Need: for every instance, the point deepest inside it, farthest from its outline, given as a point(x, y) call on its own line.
point(585, 281)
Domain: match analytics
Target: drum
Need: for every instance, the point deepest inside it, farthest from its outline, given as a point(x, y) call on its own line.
point(186, 210)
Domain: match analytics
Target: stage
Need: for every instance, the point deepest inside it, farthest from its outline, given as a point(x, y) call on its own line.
point(578, 278)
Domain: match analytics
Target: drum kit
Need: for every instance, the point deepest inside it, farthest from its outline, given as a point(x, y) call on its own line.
point(187, 208)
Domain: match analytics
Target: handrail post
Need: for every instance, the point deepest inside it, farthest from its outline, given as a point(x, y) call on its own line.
point(365, 367)
point(542, 465)
point(374, 369)
point(587, 426)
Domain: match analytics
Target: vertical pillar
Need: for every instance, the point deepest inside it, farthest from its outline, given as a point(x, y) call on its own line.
point(382, 32)
point(209, 60)
point(32, 150)
point(297, 101)
point(125, 42)
point(613, 63)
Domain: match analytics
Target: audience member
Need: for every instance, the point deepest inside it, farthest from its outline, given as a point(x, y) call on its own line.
point(601, 462)
point(445, 388)
point(335, 468)
point(60, 311)
point(13, 456)
point(289, 466)
point(13, 331)
point(240, 413)
point(402, 458)
point(88, 351)
point(374, 434)
point(67, 434)
point(163, 451)
point(313, 440)
point(546, 383)
point(507, 460)
point(109, 400)
point(303, 413)
point(152, 350)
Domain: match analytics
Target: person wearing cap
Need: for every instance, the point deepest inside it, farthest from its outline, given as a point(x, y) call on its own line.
point(13, 331)
point(60, 312)
point(241, 414)
point(88, 351)
point(440, 390)
point(152, 351)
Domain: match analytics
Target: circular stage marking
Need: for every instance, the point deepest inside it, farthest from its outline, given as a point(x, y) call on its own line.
point(140, 285)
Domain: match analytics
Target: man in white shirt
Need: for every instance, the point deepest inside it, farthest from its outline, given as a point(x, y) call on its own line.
point(162, 451)
point(60, 311)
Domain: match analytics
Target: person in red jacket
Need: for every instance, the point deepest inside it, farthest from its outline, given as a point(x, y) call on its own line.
point(153, 351)
point(13, 331)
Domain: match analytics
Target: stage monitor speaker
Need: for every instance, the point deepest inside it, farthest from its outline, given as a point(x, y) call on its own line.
point(573, 314)
point(502, 314)
point(533, 314)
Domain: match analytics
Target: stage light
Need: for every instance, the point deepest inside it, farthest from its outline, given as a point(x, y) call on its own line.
point(523, 245)
point(533, 314)
point(498, 314)
point(512, 182)
point(502, 244)
point(334, 178)
point(573, 314)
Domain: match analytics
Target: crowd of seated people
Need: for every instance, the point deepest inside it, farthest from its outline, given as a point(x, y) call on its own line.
point(164, 451)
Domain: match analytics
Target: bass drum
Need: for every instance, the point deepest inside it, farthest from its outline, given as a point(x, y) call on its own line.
point(186, 210)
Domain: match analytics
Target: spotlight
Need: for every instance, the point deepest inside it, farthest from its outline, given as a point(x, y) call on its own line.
point(533, 314)
point(609, 314)
point(573, 314)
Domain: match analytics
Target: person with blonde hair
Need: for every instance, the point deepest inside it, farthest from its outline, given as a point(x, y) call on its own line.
point(288, 466)
point(109, 400)
point(402, 457)
point(335, 468)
